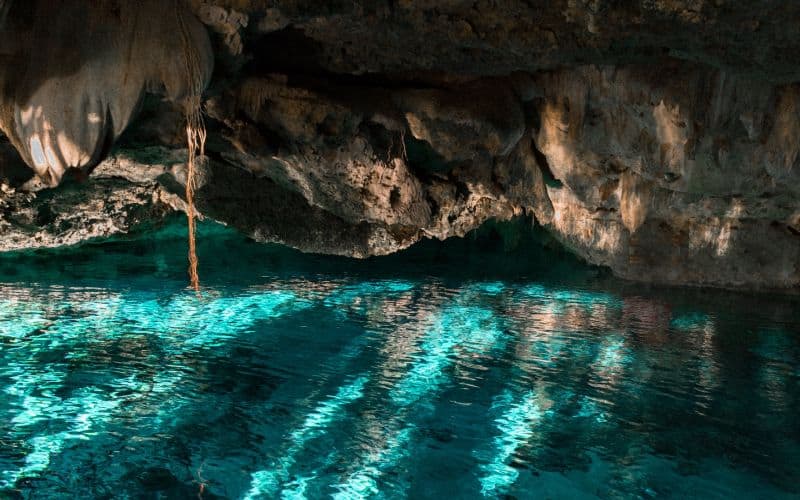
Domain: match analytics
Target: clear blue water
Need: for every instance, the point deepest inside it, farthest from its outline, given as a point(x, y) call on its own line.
point(463, 369)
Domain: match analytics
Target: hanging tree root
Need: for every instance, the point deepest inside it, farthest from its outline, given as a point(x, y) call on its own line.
point(195, 137)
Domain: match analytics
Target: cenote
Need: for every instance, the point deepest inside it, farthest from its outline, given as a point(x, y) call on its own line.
point(451, 370)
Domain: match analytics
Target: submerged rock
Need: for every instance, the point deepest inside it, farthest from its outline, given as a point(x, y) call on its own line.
point(649, 137)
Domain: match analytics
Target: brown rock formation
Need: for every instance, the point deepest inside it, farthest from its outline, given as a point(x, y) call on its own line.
point(659, 138)
point(74, 72)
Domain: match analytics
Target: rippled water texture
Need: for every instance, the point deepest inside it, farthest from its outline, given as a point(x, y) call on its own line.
point(457, 370)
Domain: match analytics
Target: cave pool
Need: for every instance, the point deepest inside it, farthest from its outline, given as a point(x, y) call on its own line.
point(492, 366)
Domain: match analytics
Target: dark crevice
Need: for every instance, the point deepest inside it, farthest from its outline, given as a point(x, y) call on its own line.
point(462, 190)
point(434, 206)
point(394, 198)
point(13, 169)
point(385, 143)
point(291, 52)
point(107, 144)
point(541, 160)
point(531, 111)
point(424, 161)
point(44, 216)
point(285, 51)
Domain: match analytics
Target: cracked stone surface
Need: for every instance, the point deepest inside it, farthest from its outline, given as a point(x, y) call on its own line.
point(659, 138)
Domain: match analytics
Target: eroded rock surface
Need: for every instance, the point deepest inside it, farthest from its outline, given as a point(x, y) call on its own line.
point(659, 138)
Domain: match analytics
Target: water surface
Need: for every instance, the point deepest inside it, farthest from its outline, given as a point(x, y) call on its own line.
point(456, 370)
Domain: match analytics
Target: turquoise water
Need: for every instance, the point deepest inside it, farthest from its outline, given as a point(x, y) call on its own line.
point(483, 367)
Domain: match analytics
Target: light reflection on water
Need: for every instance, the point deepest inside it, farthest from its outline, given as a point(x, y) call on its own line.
point(310, 384)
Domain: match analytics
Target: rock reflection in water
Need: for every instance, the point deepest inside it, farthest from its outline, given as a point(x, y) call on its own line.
point(353, 386)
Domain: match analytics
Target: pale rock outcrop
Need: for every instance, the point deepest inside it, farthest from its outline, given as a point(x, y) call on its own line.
point(675, 180)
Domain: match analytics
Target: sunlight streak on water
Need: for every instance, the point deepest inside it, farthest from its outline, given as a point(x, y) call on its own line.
point(516, 425)
point(100, 321)
point(353, 388)
point(476, 330)
point(268, 481)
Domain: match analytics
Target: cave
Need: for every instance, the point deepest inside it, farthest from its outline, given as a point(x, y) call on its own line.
point(435, 249)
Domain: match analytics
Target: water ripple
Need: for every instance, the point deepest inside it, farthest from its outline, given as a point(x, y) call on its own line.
point(355, 388)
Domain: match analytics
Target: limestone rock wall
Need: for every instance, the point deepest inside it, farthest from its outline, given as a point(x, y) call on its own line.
point(659, 138)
